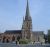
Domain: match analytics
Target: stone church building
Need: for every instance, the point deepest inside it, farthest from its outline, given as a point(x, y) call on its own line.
point(25, 33)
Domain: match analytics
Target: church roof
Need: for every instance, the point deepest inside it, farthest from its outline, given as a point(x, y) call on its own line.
point(38, 33)
point(12, 31)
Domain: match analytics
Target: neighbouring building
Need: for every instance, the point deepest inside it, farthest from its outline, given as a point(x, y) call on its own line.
point(25, 33)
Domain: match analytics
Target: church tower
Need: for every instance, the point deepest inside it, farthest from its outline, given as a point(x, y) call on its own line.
point(27, 24)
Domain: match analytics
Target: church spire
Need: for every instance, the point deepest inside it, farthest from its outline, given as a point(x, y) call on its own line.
point(27, 16)
point(27, 9)
point(27, 24)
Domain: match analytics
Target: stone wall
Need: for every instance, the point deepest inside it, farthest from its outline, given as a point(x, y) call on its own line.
point(9, 37)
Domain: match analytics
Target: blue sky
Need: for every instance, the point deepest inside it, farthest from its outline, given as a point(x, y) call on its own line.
point(12, 12)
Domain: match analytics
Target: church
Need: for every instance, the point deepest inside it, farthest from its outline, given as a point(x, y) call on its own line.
point(25, 32)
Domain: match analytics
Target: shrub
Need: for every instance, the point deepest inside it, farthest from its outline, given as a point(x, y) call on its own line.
point(23, 41)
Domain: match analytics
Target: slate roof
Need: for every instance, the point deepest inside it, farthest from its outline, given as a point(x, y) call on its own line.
point(38, 33)
point(13, 31)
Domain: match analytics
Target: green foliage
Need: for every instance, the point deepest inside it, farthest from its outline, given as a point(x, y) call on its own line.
point(49, 38)
point(23, 41)
point(18, 38)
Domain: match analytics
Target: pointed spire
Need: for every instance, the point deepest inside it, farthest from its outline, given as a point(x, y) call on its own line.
point(27, 9)
point(27, 17)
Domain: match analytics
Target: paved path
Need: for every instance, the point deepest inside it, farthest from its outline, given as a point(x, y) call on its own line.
point(14, 45)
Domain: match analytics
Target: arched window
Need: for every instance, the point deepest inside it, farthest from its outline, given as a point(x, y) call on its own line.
point(4, 39)
point(7, 40)
point(13, 38)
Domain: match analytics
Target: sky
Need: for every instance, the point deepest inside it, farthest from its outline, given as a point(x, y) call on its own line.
point(13, 11)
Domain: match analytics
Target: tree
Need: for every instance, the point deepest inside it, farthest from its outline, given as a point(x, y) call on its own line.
point(24, 41)
point(18, 38)
point(48, 38)
point(13, 38)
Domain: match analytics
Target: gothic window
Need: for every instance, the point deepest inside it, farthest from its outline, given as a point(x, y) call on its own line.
point(4, 39)
point(7, 40)
point(0, 39)
point(13, 38)
point(27, 24)
point(38, 38)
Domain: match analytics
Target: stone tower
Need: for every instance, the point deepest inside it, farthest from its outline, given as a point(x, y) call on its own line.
point(27, 24)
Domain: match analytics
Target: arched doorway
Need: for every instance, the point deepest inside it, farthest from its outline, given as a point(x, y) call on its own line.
point(13, 38)
point(4, 39)
point(7, 40)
